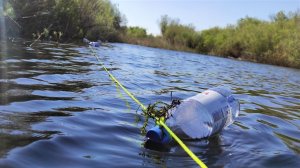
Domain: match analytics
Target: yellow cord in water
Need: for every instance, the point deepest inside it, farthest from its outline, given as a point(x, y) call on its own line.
point(159, 121)
point(125, 90)
point(184, 147)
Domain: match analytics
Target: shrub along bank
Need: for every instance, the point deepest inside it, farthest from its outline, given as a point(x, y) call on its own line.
point(273, 42)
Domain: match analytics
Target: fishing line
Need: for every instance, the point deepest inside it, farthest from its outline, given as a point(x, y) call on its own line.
point(160, 121)
point(122, 97)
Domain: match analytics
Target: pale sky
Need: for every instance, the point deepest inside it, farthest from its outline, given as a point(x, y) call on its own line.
point(203, 14)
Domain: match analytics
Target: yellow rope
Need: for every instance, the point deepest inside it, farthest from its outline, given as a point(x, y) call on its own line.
point(125, 90)
point(159, 121)
point(184, 147)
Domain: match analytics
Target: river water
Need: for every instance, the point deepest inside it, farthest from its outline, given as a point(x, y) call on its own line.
point(58, 108)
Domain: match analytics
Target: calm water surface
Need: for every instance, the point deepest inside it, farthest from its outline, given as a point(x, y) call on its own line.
point(58, 108)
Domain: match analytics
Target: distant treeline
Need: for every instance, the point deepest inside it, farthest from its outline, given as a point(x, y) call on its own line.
point(274, 42)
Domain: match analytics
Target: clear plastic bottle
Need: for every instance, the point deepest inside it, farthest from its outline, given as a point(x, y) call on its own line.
point(204, 114)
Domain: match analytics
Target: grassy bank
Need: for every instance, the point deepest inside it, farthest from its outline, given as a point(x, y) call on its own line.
point(155, 42)
point(272, 42)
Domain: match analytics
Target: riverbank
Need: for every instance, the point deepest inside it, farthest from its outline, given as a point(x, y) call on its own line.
point(155, 42)
point(273, 42)
point(159, 42)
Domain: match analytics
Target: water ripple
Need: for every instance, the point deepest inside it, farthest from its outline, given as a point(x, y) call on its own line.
point(58, 108)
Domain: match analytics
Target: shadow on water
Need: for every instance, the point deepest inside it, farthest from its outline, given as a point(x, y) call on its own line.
point(209, 150)
point(35, 74)
point(16, 131)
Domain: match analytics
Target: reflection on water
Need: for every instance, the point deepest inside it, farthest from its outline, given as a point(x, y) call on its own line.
point(59, 108)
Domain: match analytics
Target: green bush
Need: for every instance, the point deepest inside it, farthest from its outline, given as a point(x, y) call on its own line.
point(179, 34)
point(95, 19)
point(275, 42)
point(136, 32)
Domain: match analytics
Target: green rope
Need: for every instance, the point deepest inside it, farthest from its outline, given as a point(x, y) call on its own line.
point(159, 120)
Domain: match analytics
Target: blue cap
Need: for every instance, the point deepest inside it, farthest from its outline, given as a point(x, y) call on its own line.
point(159, 135)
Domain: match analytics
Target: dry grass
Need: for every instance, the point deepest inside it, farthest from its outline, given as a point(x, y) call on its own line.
point(155, 42)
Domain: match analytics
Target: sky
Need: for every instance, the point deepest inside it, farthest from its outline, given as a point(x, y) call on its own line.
point(203, 14)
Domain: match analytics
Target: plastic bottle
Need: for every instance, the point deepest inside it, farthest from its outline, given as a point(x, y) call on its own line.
point(204, 114)
point(92, 43)
point(199, 116)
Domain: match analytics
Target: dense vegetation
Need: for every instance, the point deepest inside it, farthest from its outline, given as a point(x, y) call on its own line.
point(274, 42)
point(73, 19)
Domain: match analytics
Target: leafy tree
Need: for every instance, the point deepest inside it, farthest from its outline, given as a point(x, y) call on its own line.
point(96, 19)
point(136, 32)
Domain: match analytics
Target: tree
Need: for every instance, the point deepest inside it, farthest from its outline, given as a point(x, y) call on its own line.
point(96, 19)
point(136, 32)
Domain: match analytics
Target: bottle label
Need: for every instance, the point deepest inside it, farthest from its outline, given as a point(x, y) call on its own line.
point(218, 107)
point(204, 114)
